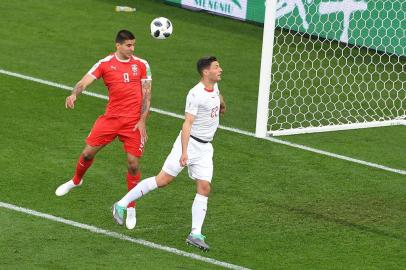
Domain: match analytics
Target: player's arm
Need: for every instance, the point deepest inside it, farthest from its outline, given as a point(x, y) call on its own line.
point(223, 107)
point(146, 105)
point(146, 99)
point(185, 136)
point(79, 88)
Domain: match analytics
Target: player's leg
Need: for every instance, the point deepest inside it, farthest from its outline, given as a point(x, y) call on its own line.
point(199, 209)
point(134, 147)
point(144, 187)
point(85, 161)
point(83, 164)
point(133, 173)
point(169, 171)
point(133, 177)
point(200, 169)
point(102, 133)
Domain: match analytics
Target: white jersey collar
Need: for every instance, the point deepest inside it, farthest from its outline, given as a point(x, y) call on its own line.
point(123, 61)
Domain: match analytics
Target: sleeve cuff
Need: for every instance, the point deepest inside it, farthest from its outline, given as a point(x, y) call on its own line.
point(92, 76)
point(191, 112)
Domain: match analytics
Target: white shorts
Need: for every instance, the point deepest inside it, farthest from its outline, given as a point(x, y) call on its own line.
point(200, 160)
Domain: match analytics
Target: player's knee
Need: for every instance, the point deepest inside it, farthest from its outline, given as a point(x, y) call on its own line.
point(87, 155)
point(162, 182)
point(132, 164)
point(133, 167)
point(203, 188)
point(163, 179)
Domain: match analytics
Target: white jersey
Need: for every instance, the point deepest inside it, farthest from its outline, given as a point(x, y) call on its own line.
point(205, 106)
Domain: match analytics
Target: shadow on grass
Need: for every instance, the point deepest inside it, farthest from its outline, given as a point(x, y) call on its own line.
point(340, 221)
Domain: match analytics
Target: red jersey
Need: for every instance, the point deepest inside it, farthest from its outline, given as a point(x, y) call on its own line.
point(123, 79)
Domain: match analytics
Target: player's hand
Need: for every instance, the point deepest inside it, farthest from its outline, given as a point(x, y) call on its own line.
point(70, 101)
point(143, 131)
point(183, 160)
point(223, 109)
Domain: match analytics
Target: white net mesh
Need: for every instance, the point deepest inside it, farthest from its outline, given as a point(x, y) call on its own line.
point(318, 81)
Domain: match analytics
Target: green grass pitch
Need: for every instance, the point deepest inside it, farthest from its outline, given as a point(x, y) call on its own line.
point(272, 206)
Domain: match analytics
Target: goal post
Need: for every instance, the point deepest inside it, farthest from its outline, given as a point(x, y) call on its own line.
point(331, 65)
point(266, 68)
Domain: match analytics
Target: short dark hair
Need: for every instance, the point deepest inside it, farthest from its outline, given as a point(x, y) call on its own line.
point(124, 35)
point(204, 63)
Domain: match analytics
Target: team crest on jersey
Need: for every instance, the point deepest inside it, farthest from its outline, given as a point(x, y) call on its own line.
point(134, 68)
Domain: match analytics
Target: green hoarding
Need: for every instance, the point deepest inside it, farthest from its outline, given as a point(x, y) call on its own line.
point(376, 24)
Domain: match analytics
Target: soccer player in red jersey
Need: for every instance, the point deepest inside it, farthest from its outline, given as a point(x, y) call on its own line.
point(128, 80)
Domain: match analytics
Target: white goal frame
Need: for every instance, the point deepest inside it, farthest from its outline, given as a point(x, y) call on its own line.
point(262, 129)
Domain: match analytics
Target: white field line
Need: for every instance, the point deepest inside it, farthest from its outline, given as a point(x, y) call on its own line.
point(239, 131)
point(123, 237)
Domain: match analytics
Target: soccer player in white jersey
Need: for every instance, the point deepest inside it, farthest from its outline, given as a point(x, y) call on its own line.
point(192, 148)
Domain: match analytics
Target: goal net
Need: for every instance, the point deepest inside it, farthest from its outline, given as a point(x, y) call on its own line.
point(332, 65)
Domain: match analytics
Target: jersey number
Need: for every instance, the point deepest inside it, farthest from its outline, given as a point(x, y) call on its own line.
point(214, 112)
point(126, 77)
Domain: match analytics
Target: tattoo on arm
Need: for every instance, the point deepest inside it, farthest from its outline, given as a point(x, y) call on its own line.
point(146, 96)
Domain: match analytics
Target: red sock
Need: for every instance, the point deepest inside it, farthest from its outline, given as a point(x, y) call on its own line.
point(132, 181)
point(81, 168)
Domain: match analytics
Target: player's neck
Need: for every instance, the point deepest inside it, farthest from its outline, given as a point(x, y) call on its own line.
point(121, 57)
point(209, 85)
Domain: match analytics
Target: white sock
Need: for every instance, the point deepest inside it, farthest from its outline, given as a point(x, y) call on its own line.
point(199, 209)
point(138, 191)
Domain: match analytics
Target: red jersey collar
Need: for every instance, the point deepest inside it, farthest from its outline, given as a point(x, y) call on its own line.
point(207, 90)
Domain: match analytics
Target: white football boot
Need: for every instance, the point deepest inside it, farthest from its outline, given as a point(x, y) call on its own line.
point(131, 219)
point(66, 187)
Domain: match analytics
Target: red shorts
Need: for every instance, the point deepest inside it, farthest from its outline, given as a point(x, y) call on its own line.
point(107, 128)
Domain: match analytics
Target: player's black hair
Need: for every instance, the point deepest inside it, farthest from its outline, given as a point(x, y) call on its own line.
point(204, 63)
point(124, 35)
